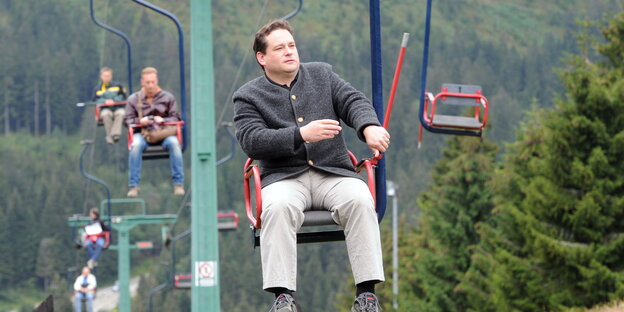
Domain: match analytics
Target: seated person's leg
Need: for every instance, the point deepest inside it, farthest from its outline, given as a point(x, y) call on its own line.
point(106, 114)
point(283, 204)
point(353, 208)
point(90, 248)
point(175, 159)
point(117, 123)
point(135, 159)
point(78, 301)
point(89, 302)
point(99, 245)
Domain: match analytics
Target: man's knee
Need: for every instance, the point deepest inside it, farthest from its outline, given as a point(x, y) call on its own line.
point(119, 112)
point(363, 202)
point(106, 113)
point(171, 143)
point(138, 142)
point(281, 205)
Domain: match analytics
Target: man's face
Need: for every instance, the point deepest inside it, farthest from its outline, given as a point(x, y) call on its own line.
point(85, 271)
point(281, 55)
point(106, 76)
point(150, 83)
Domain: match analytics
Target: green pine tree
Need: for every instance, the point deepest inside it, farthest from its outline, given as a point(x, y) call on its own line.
point(557, 239)
point(455, 202)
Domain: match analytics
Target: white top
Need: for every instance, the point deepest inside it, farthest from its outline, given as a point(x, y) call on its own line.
point(93, 229)
point(80, 280)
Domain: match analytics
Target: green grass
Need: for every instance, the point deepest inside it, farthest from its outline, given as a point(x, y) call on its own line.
point(15, 299)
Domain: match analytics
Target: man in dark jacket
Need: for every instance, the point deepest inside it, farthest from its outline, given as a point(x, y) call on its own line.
point(157, 106)
point(288, 119)
point(107, 92)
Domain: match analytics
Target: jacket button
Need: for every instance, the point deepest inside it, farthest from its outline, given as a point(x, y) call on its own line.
point(300, 119)
point(311, 162)
point(294, 97)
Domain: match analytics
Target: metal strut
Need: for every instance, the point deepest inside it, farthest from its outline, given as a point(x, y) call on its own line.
point(85, 144)
point(376, 72)
point(123, 36)
point(293, 13)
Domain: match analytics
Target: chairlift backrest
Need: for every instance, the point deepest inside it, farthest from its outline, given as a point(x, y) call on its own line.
point(460, 89)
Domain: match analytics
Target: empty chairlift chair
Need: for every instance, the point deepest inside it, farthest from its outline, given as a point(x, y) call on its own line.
point(182, 281)
point(457, 95)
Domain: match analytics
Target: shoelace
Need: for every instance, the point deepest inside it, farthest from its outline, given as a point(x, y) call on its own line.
point(281, 302)
point(368, 303)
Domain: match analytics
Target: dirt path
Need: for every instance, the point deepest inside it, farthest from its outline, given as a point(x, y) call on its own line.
point(107, 298)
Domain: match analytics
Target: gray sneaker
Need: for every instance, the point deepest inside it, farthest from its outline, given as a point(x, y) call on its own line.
point(366, 302)
point(284, 303)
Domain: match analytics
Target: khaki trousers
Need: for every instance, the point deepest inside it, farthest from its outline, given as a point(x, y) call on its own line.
point(112, 121)
point(352, 207)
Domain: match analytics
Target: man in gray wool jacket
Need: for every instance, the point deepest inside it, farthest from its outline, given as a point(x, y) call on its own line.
point(288, 119)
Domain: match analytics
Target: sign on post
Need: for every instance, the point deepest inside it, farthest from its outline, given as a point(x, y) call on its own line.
point(205, 273)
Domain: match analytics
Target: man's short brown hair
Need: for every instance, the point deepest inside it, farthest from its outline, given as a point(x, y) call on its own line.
point(149, 70)
point(106, 69)
point(260, 44)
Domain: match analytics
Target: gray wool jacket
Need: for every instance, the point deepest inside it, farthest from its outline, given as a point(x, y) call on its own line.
point(268, 116)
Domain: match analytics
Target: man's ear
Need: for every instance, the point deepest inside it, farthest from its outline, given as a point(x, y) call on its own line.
point(260, 58)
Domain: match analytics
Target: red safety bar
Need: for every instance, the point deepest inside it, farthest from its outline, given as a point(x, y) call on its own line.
point(94, 238)
point(251, 169)
point(178, 124)
point(479, 98)
point(98, 108)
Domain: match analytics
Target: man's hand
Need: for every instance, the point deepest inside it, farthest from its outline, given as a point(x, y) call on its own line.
point(158, 119)
point(319, 130)
point(377, 138)
point(145, 121)
point(109, 101)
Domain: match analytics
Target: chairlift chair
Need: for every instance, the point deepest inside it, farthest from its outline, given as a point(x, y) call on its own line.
point(451, 94)
point(80, 238)
point(98, 109)
point(457, 95)
point(156, 151)
point(105, 234)
point(182, 281)
point(228, 221)
point(311, 217)
point(323, 217)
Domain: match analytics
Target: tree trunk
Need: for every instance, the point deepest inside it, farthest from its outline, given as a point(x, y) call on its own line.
point(36, 113)
point(48, 115)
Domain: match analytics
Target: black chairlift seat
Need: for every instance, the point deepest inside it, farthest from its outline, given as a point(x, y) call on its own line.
point(156, 151)
point(457, 95)
point(99, 107)
point(312, 218)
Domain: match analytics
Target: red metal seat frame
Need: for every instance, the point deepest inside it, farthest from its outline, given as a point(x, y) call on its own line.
point(178, 125)
point(479, 98)
point(250, 169)
point(98, 108)
point(104, 234)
